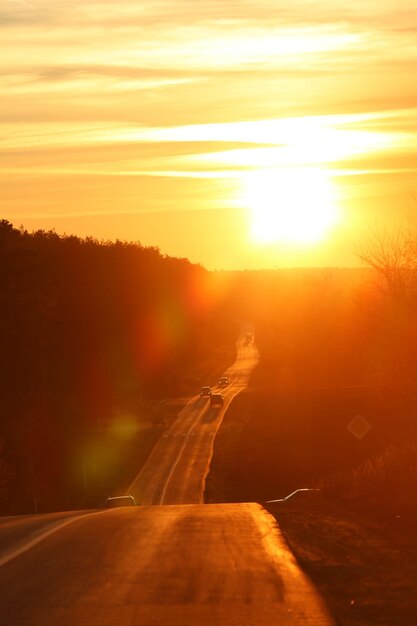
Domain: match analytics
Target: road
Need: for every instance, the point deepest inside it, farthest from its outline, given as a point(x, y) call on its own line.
point(176, 468)
point(183, 564)
point(179, 565)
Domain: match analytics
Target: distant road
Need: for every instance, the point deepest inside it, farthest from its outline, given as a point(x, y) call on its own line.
point(181, 565)
point(187, 564)
point(176, 468)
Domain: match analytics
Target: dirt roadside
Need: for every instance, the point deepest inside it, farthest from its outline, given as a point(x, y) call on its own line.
point(367, 572)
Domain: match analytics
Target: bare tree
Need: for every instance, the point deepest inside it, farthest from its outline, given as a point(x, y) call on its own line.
point(393, 254)
point(388, 254)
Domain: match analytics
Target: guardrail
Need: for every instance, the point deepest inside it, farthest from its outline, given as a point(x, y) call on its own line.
point(289, 496)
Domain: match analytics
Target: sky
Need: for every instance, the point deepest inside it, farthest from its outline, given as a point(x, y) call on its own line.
point(239, 133)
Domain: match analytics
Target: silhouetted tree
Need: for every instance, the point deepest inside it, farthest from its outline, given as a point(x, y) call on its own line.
point(87, 326)
point(4, 478)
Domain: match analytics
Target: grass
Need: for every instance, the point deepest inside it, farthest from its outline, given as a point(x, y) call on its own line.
point(356, 540)
point(272, 443)
point(385, 484)
point(366, 571)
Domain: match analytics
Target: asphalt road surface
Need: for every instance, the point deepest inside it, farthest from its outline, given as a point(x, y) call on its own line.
point(176, 469)
point(179, 565)
point(186, 564)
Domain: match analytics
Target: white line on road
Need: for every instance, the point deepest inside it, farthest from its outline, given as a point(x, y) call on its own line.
point(30, 544)
point(161, 500)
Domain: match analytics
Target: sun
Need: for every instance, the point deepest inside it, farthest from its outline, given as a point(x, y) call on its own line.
point(294, 206)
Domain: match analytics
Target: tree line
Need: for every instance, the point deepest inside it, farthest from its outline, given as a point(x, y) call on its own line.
point(88, 329)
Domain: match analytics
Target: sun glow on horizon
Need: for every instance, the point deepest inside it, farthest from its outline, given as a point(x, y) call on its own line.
point(294, 124)
point(295, 206)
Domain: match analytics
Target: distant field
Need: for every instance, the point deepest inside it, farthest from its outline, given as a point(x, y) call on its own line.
point(273, 442)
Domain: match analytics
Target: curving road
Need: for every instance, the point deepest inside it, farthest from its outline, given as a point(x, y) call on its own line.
point(176, 468)
point(178, 565)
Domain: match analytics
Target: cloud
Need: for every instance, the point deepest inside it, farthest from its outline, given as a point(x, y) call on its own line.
point(104, 92)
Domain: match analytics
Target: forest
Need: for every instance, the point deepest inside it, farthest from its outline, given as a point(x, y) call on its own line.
point(91, 332)
point(95, 336)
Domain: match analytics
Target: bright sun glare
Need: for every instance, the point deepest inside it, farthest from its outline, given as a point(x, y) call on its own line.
point(295, 206)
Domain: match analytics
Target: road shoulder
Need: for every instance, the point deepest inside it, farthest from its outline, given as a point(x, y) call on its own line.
point(366, 571)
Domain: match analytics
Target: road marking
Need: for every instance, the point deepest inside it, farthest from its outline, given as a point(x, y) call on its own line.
point(228, 401)
point(246, 359)
point(30, 544)
point(161, 500)
point(235, 387)
point(137, 478)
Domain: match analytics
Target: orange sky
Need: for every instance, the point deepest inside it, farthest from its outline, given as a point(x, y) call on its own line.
point(186, 125)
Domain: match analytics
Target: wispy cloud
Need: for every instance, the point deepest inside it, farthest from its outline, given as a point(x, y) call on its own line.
point(198, 150)
point(198, 92)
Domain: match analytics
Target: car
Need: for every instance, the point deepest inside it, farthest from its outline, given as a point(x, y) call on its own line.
point(223, 381)
point(117, 501)
point(205, 392)
point(216, 400)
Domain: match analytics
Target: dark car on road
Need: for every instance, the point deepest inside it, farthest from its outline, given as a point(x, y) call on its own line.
point(216, 400)
point(223, 381)
point(205, 392)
